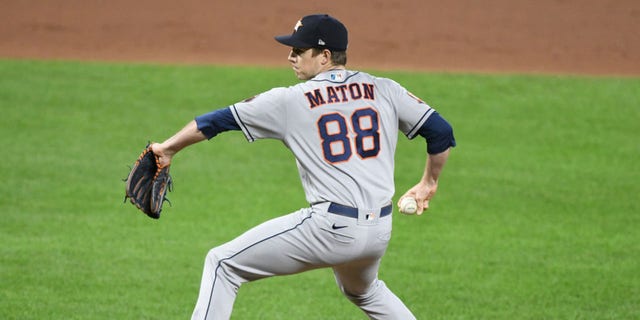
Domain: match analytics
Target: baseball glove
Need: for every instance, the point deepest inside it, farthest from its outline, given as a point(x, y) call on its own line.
point(148, 183)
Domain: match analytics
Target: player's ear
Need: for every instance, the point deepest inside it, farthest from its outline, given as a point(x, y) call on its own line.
point(326, 55)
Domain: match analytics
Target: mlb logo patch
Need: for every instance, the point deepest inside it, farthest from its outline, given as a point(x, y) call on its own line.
point(336, 76)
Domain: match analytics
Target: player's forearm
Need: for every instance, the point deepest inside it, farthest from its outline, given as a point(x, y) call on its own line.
point(182, 139)
point(433, 168)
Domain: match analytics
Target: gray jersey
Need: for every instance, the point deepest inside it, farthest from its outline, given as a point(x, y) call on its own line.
point(342, 127)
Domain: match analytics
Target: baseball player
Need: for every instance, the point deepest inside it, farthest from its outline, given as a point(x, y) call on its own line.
point(342, 126)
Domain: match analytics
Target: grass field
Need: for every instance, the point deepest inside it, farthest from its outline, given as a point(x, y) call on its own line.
point(536, 216)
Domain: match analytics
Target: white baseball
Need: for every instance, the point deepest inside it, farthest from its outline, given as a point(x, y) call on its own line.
point(408, 205)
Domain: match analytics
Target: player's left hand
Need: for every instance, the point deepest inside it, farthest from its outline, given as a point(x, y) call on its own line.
point(148, 183)
point(164, 157)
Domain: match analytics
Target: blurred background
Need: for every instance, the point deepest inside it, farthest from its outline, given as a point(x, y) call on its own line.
point(532, 36)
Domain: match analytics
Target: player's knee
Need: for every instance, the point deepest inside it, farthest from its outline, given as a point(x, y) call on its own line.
point(356, 295)
point(220, 262)
point(212, 257)
point(357, 298)
point(216, 258)
point(221, 269)
point(359, 295)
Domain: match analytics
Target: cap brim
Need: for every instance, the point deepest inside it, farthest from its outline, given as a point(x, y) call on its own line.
point(291, 41)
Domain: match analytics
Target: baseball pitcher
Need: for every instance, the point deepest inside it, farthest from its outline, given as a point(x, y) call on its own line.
point(342, 127)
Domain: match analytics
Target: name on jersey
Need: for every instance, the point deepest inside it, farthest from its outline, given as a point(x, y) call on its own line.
point(341, 93)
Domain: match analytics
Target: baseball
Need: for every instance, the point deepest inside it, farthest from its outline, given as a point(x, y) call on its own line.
point(408, 205)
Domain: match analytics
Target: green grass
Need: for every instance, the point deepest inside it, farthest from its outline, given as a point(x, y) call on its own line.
point(536, 216)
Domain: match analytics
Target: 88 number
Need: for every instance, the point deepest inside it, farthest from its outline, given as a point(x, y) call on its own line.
point(334, 132)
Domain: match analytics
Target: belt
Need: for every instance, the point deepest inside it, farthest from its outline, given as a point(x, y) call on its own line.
point(353, 212)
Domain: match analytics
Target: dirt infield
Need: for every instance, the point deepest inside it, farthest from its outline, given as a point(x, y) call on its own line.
point(599, 37)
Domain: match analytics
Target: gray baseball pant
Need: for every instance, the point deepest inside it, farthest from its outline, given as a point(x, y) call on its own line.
point(307, 239)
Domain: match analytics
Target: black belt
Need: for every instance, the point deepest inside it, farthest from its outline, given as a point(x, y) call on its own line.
point(353, 212)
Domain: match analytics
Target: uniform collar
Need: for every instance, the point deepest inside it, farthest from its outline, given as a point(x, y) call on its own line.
point(333, 75)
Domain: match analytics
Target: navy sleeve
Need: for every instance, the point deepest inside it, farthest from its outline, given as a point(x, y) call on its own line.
point(212, 123)
point(438, 133)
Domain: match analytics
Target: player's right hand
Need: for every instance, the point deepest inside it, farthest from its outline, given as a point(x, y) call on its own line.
point(422, 192)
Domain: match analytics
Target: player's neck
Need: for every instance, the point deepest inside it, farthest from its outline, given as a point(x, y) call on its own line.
point(333, 68)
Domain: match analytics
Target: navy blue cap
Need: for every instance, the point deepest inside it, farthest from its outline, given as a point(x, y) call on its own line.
point(317, 31)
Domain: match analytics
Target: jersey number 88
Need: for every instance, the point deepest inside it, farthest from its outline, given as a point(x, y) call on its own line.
point(334, 132)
